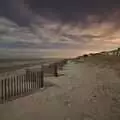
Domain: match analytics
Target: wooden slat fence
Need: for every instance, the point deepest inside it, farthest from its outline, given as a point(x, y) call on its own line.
point(17, 86)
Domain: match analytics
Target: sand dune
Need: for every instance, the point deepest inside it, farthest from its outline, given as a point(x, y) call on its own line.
point(82, 92)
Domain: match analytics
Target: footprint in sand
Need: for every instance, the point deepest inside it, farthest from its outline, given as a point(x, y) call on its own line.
point(67, 118)
point(87, 117)
point(67, 103)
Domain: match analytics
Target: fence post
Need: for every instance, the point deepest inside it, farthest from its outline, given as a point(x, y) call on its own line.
point(14, 86)
point(55, 70)
point(30, 81)
point(27, 83)
point(12, 94)
point(27, 75)
point(38, 80)
point(18, 85)
point(27, 79)
point(35, 79)
point(9, 89)
point(22, 84)
point(5, 87)
point(2, 91)
point(42, 78)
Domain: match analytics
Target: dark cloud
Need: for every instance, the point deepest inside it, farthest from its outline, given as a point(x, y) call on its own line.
point(74, 10)
point(82, 38)
point(22, 11)
point(44, 45)
point(90, 36)
point(16, 11)
point(61, 24)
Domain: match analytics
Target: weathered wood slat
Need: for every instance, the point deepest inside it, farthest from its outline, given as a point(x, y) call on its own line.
point(2, 91)
point(5, 89)
point(42, 79)
point(22, 84)
point(33, 79)
point(12, 87)
point(9, 88)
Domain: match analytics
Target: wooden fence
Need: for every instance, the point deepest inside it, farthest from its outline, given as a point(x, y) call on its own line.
point(20, 85)
point(17, 86)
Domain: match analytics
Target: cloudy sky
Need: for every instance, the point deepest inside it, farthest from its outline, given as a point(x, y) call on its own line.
point(58, 28)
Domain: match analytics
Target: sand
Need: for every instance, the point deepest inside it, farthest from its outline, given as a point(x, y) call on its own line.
point(81, 92)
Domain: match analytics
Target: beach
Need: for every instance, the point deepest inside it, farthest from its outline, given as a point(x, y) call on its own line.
point(82, 91)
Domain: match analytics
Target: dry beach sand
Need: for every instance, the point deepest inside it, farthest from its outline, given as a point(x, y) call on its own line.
point(81, 92)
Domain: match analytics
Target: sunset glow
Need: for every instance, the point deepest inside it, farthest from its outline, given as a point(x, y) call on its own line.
point(50, 32)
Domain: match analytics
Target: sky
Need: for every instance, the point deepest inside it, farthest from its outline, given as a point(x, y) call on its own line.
point(58, 28)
